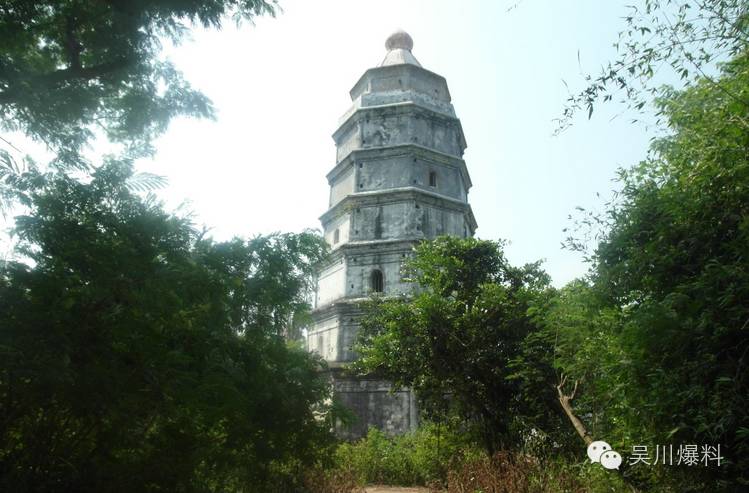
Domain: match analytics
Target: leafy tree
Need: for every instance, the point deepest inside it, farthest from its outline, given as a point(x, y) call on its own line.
point(69, 69)
point(459, 342)
point(676, 254)
point(684, 37)
point(138, 355)
point(594, 369)
point(665, 319)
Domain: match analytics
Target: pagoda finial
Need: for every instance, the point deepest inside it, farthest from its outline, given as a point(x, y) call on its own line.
point(399, 46)
point(399, 40)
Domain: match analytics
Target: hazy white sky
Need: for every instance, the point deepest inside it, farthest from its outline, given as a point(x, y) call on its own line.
point(281, 85)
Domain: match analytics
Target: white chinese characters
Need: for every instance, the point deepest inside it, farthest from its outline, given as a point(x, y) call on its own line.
point(684, 455)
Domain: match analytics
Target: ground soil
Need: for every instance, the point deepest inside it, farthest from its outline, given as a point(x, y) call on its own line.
point(394, 489)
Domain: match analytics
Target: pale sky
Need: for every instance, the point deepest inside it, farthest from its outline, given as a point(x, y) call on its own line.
point(280, 86)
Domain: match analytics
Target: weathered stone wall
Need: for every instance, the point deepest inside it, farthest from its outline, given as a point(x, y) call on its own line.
point(343, 186)
point(372, 402)
point(335, 329)
point(390, 263)
point(331, 283)
point(325, 339)
point(407, 170)
point(409, 219)
point(401, 83)
point(342, 223)
point(406, 123)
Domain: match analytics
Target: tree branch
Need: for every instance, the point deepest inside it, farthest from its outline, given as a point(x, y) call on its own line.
point(52, 79)
point(565, 401)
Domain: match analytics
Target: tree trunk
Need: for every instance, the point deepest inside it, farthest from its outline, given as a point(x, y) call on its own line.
point(565, 400)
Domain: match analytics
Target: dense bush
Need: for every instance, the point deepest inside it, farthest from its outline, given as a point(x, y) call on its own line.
point(466, 333)
point(416, 458)
point(445, 460)
point(658, 336)
point(137, 355)
point(514, 472)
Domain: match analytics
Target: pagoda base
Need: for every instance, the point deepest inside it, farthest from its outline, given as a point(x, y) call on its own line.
point(373, 403)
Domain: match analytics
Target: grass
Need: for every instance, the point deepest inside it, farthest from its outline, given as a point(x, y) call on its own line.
point(447, 462)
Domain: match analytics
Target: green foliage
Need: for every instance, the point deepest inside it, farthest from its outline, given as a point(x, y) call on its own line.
point(683, 37)
point(377, 459)
point(677, 255)
point(460, 341)
point(559, 472)
point(513, 472)
point(139, 356)
point(416, 458)
point(70, 68)
point(588, 351)
point(444, 458)
point(659, 339)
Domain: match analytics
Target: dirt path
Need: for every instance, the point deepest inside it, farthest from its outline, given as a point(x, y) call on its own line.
point(394, 489)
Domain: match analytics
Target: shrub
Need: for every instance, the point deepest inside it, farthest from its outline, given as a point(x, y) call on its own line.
point(415, 458)
point(513, 472)
point(338, 480)
point(446, 459)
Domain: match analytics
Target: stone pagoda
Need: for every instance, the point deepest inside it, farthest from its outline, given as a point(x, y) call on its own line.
point(399, 178)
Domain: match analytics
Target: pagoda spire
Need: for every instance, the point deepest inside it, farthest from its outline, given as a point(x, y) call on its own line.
point(399, 46)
